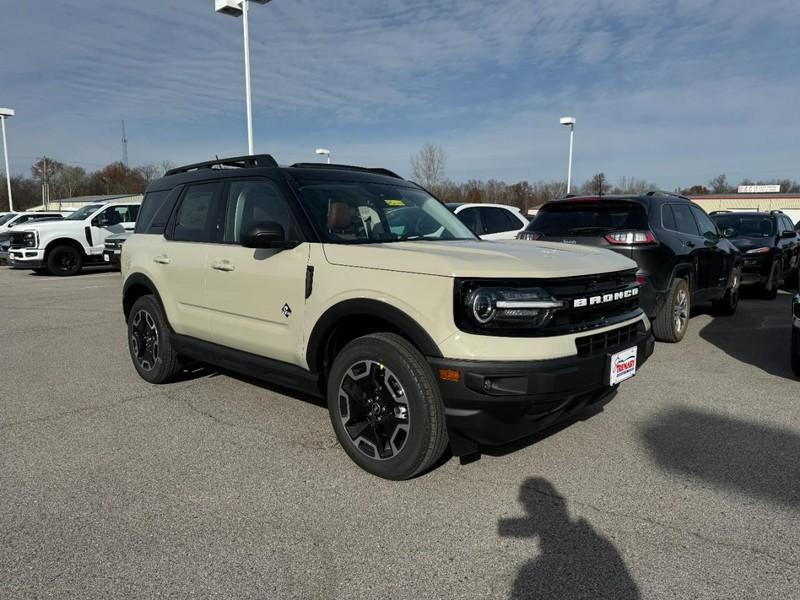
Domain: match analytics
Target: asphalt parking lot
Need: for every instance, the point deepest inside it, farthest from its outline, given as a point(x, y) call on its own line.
point(686, 485)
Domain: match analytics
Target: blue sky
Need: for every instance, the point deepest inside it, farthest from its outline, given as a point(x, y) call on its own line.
point(674, 92)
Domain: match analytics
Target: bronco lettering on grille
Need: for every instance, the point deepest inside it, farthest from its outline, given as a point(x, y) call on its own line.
point(605, 298)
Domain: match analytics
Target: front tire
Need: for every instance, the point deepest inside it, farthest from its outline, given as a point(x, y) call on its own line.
point(149, 343)
point(773, 283)
point(64, 261)
point(672, 322)
point(730, 301)
point(385, 407)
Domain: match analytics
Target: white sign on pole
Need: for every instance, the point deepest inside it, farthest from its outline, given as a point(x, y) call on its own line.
point(759, 189)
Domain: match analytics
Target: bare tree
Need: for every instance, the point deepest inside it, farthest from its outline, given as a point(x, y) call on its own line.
point(427, 166)
point(720, 185)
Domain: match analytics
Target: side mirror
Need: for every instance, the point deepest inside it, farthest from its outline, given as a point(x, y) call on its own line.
point(711, 236)
point(728, 232)
point(266, 234)
point(788, 234)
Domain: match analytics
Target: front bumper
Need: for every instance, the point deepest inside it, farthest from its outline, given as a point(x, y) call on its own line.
point(756, 270)
point(25, 258)
point(111, 257)
point(497, 402)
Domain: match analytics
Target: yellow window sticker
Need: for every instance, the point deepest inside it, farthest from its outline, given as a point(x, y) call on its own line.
point(394, 202)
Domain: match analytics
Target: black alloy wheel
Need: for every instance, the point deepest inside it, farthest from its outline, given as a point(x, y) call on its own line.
point(374, 411)
point(149, 342)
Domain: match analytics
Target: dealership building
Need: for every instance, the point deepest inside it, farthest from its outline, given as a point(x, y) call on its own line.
point(745, 201)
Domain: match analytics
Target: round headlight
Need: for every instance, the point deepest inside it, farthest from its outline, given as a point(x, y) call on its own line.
point(482, 303)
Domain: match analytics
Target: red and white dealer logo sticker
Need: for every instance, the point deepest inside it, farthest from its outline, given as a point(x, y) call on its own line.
point(623, 365)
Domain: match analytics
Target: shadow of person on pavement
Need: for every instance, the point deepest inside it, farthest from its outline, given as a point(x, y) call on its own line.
point(731, 453)
point(575, 561)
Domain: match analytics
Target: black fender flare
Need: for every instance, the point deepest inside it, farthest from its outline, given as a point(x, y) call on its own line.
point(140, 279)
point(372, 308)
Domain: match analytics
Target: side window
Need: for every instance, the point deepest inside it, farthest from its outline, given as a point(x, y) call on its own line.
point(684, 221)
point(152, 202)
point(704, 222)
point(469, 216)
point(118, 214)
point(667, 218)
point(498, 220)
point(23, 219)
point(195, 219)
point(255, 201)
point(787, 224)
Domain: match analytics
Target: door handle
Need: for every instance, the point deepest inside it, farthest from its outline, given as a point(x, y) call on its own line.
point(689, 244)
point(223, 265)
point(162, 260)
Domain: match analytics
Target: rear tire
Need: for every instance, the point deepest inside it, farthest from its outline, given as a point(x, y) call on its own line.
point(672, 322)
point(149, 342)
point(64, 261)
point(730, 301)
point(385, 407)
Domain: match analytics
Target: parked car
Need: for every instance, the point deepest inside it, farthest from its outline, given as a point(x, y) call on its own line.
point(769, 244)
point(490, 221)
point(416, 336)
point(113, 248)
point(795, 348)
point(10, 220)
point(64, 247)
point(683, 260)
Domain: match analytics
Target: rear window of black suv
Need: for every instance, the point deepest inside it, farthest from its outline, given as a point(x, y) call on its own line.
point(584, 217)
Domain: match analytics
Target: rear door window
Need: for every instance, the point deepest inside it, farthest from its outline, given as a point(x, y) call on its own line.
point(498, 220)
point(469, 216)
point(589, 218)
point(684, 221)
point(195, 220)
point(704, 222)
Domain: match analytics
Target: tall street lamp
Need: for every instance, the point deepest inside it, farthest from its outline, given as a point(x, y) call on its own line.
point(240, 8)
point(5, 113)
point(324, 152)
point(571, 122)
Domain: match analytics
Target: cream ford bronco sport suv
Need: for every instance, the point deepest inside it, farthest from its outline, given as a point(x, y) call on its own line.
point(358, 286)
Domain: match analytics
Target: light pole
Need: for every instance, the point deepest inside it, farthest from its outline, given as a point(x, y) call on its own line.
point(239, 8)
point(5, 113)
point(571, 122)
point(324, 152)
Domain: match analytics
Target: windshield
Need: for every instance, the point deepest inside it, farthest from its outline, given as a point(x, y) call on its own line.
point(351, 212)
point(6, 218)
point(587, 218)
point(751, 226)
point(83, 213)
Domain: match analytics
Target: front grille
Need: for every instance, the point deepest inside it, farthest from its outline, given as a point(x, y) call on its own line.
point(600, 342)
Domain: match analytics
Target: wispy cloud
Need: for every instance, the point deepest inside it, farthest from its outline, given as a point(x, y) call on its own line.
point(673, 90)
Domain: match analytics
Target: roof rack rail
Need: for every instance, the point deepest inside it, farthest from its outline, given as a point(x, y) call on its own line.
point(664, 193)
point(241, 162)
point(377, 171)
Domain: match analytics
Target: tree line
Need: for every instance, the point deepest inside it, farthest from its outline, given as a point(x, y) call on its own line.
point(428, 169)
point(62, 181)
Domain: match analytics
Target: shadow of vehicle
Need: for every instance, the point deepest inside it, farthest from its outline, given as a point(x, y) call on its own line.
point(745, 457)
point(575, 561)
point(758, 334)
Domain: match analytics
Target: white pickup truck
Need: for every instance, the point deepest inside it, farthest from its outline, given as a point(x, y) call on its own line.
point(64, 247)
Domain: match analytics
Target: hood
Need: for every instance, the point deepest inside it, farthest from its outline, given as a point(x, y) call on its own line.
point(744, 244)
point(506, 259)
point(49, 225)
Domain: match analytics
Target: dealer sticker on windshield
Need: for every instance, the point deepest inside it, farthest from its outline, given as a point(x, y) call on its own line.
point(623, 365)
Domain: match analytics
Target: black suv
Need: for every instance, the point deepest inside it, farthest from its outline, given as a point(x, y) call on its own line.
point(683, 259)
point(769, 245)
